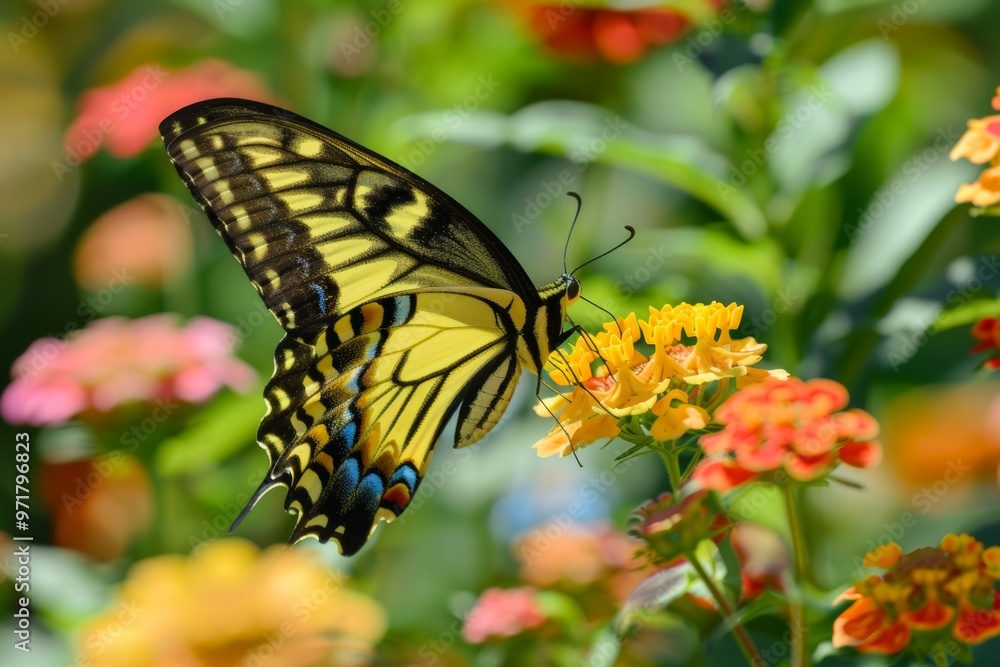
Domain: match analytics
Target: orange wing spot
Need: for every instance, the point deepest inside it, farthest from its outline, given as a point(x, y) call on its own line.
point(373, 314)
point(398, 495)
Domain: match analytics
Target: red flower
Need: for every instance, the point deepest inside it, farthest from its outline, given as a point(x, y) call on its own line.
point(502, 613)
point(987, 332)
point(124, 116)
point(114, 361)
point(618, 36)
point(787, 425)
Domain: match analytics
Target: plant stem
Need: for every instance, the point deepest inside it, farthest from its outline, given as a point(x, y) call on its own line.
point(729, 615)
point(669, 457)
point(796, 608)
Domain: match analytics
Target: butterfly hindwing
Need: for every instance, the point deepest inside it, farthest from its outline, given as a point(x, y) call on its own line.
point(354, 415)
point(400, 308)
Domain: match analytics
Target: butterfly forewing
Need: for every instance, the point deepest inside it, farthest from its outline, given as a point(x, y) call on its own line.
point(400, 308)
point(319, 224)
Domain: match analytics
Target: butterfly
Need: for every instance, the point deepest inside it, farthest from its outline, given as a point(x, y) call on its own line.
point(399, 308)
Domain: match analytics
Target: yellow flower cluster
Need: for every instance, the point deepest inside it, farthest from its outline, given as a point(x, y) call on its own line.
point(981, 145)
point(659, 365)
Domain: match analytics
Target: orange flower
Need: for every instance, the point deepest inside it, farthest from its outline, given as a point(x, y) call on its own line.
point(232, 604)
point(987, 332)
point(578, 557)
point(787, 425)
point(124, 116)
point(925, 591)
point(618, 36)
point(981, 145)
point(146, 238)
point(689, 346)
point(98, 505)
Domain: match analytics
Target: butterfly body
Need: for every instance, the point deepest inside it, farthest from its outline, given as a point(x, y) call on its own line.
point(400, 308)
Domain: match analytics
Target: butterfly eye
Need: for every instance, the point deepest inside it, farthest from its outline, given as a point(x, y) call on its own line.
point(572, 288)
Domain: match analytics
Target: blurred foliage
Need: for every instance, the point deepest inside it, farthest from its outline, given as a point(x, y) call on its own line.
point(787, 155)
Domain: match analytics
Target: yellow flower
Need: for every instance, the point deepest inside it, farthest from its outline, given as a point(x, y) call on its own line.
point(673, 421)
point(231, 604)
point(980, 145)
point(657, 365)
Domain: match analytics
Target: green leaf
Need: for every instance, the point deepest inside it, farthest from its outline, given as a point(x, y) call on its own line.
point(222, 429)
point(967, 314)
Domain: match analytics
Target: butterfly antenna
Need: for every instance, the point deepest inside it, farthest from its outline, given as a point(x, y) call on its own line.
point(631, 235)
point(579, 206)
point(606, 312)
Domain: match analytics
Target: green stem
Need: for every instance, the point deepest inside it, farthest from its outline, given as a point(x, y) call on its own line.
point(669, 456)
point(796, 608)
point(940, 658)
point(728, 615)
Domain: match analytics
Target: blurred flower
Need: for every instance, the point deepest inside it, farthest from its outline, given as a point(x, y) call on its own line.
point(98, 504)
point(787, 425)
point(987, 331)
point(672, 530)
point(232, 604)
point(981, 145)
point(125, 116)
point(690, 347)
point(941, 437)
point(114, 361)
point(145, 238)
point(763, 557)
point(502, 613)
point(618, 36)
point(925, 591)
point(573, 556)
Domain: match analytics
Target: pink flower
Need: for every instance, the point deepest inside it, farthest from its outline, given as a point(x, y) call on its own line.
point(114, 361)
point(502, 613)
point(124, 116)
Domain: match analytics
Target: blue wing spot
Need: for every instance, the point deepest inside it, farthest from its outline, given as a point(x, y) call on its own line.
point(321, 294)
point(369, 493)
point(405, 474)
point(346, 478)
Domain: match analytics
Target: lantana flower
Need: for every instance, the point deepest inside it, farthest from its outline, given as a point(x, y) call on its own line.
point(792, 426)
point(928, 591)
point(659, 366)
point(501, 613)
point(227, 604)
point(114, 361)
point(619, 36)
point(987, 332)
point(981, 145)
point(124, 116)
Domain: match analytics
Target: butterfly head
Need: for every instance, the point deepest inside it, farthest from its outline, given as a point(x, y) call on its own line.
point(573, 289)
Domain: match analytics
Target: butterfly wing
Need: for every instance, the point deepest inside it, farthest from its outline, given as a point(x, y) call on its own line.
point(354, 415)
point(321, 224)
point(400, 308)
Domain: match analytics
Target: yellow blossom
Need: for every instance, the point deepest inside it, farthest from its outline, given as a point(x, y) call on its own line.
point(634, 366)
